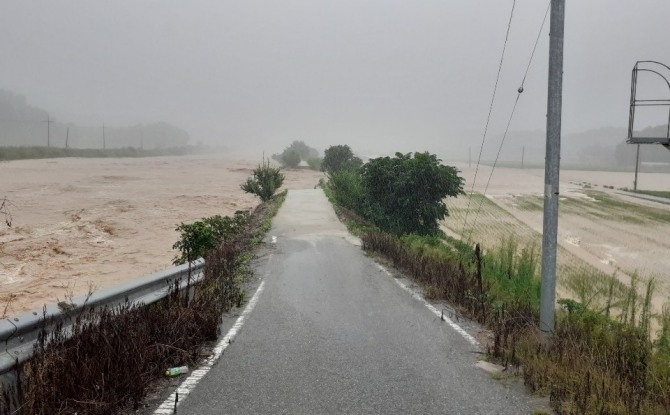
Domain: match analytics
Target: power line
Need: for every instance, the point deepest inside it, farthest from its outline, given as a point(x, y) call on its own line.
point(488, 118)
point(509, 122)
point(537, 40)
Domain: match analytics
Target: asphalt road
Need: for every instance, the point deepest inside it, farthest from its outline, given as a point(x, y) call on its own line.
point(333, 334)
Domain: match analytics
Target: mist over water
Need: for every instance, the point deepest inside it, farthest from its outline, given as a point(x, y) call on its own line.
point(382, 76)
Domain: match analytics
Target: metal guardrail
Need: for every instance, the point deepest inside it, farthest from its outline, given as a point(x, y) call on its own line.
point(19, 333)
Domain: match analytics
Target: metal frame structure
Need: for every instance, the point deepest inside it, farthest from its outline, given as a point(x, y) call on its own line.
point(656, 68)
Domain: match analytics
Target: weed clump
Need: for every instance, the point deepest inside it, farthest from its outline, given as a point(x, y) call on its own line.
point(266, 180)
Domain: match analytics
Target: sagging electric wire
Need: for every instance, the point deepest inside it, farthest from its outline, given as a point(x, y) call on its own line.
point(509, 122)
point(488, 118)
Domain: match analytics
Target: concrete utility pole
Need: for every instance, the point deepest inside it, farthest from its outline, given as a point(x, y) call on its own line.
point(523, 155)
point(67, 137)
point(103, 137)
point(48, 121)
point(552, 166)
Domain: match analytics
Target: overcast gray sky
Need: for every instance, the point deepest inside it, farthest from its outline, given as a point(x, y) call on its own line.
point(403, 74)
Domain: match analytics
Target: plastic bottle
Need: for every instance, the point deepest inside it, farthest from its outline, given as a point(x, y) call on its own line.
point(176, 371)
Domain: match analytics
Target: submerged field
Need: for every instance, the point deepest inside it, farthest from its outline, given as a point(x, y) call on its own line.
point(601, 230)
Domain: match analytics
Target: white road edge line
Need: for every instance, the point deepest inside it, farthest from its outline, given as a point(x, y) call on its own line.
point(432, 308)
point(188, 384)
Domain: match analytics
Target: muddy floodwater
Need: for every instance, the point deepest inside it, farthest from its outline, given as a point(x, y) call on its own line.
point(93, 223)
point(80, 223)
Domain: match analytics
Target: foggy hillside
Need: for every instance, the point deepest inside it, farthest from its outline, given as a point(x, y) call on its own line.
point(599, 148)
point(24, 125)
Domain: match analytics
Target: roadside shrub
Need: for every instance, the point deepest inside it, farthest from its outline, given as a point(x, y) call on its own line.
point(348, 190)
point(200, 237)
point(265, 181)
point(406, 193)
point(401, 195)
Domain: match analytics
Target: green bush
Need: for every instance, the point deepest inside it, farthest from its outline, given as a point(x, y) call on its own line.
point(339, 158)
point(401, 195)
point(348, 190)
point(197, 239)
point(265, 181)
point(406, 193)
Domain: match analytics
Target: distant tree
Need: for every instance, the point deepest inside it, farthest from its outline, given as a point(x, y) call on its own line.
point(304, 151)
point(265, 181)
point(405, 194)
point(338, 158)
point(290, 158)
point(297, 152)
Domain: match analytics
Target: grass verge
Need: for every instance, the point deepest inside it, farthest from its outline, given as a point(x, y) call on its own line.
point(601, 358)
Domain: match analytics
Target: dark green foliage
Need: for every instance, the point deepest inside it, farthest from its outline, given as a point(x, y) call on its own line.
point(295, 153)
point(265, 181)
point(339, 158)
point(348, 190)
point(200, 237)
point(406, 193)
point(196, 239)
